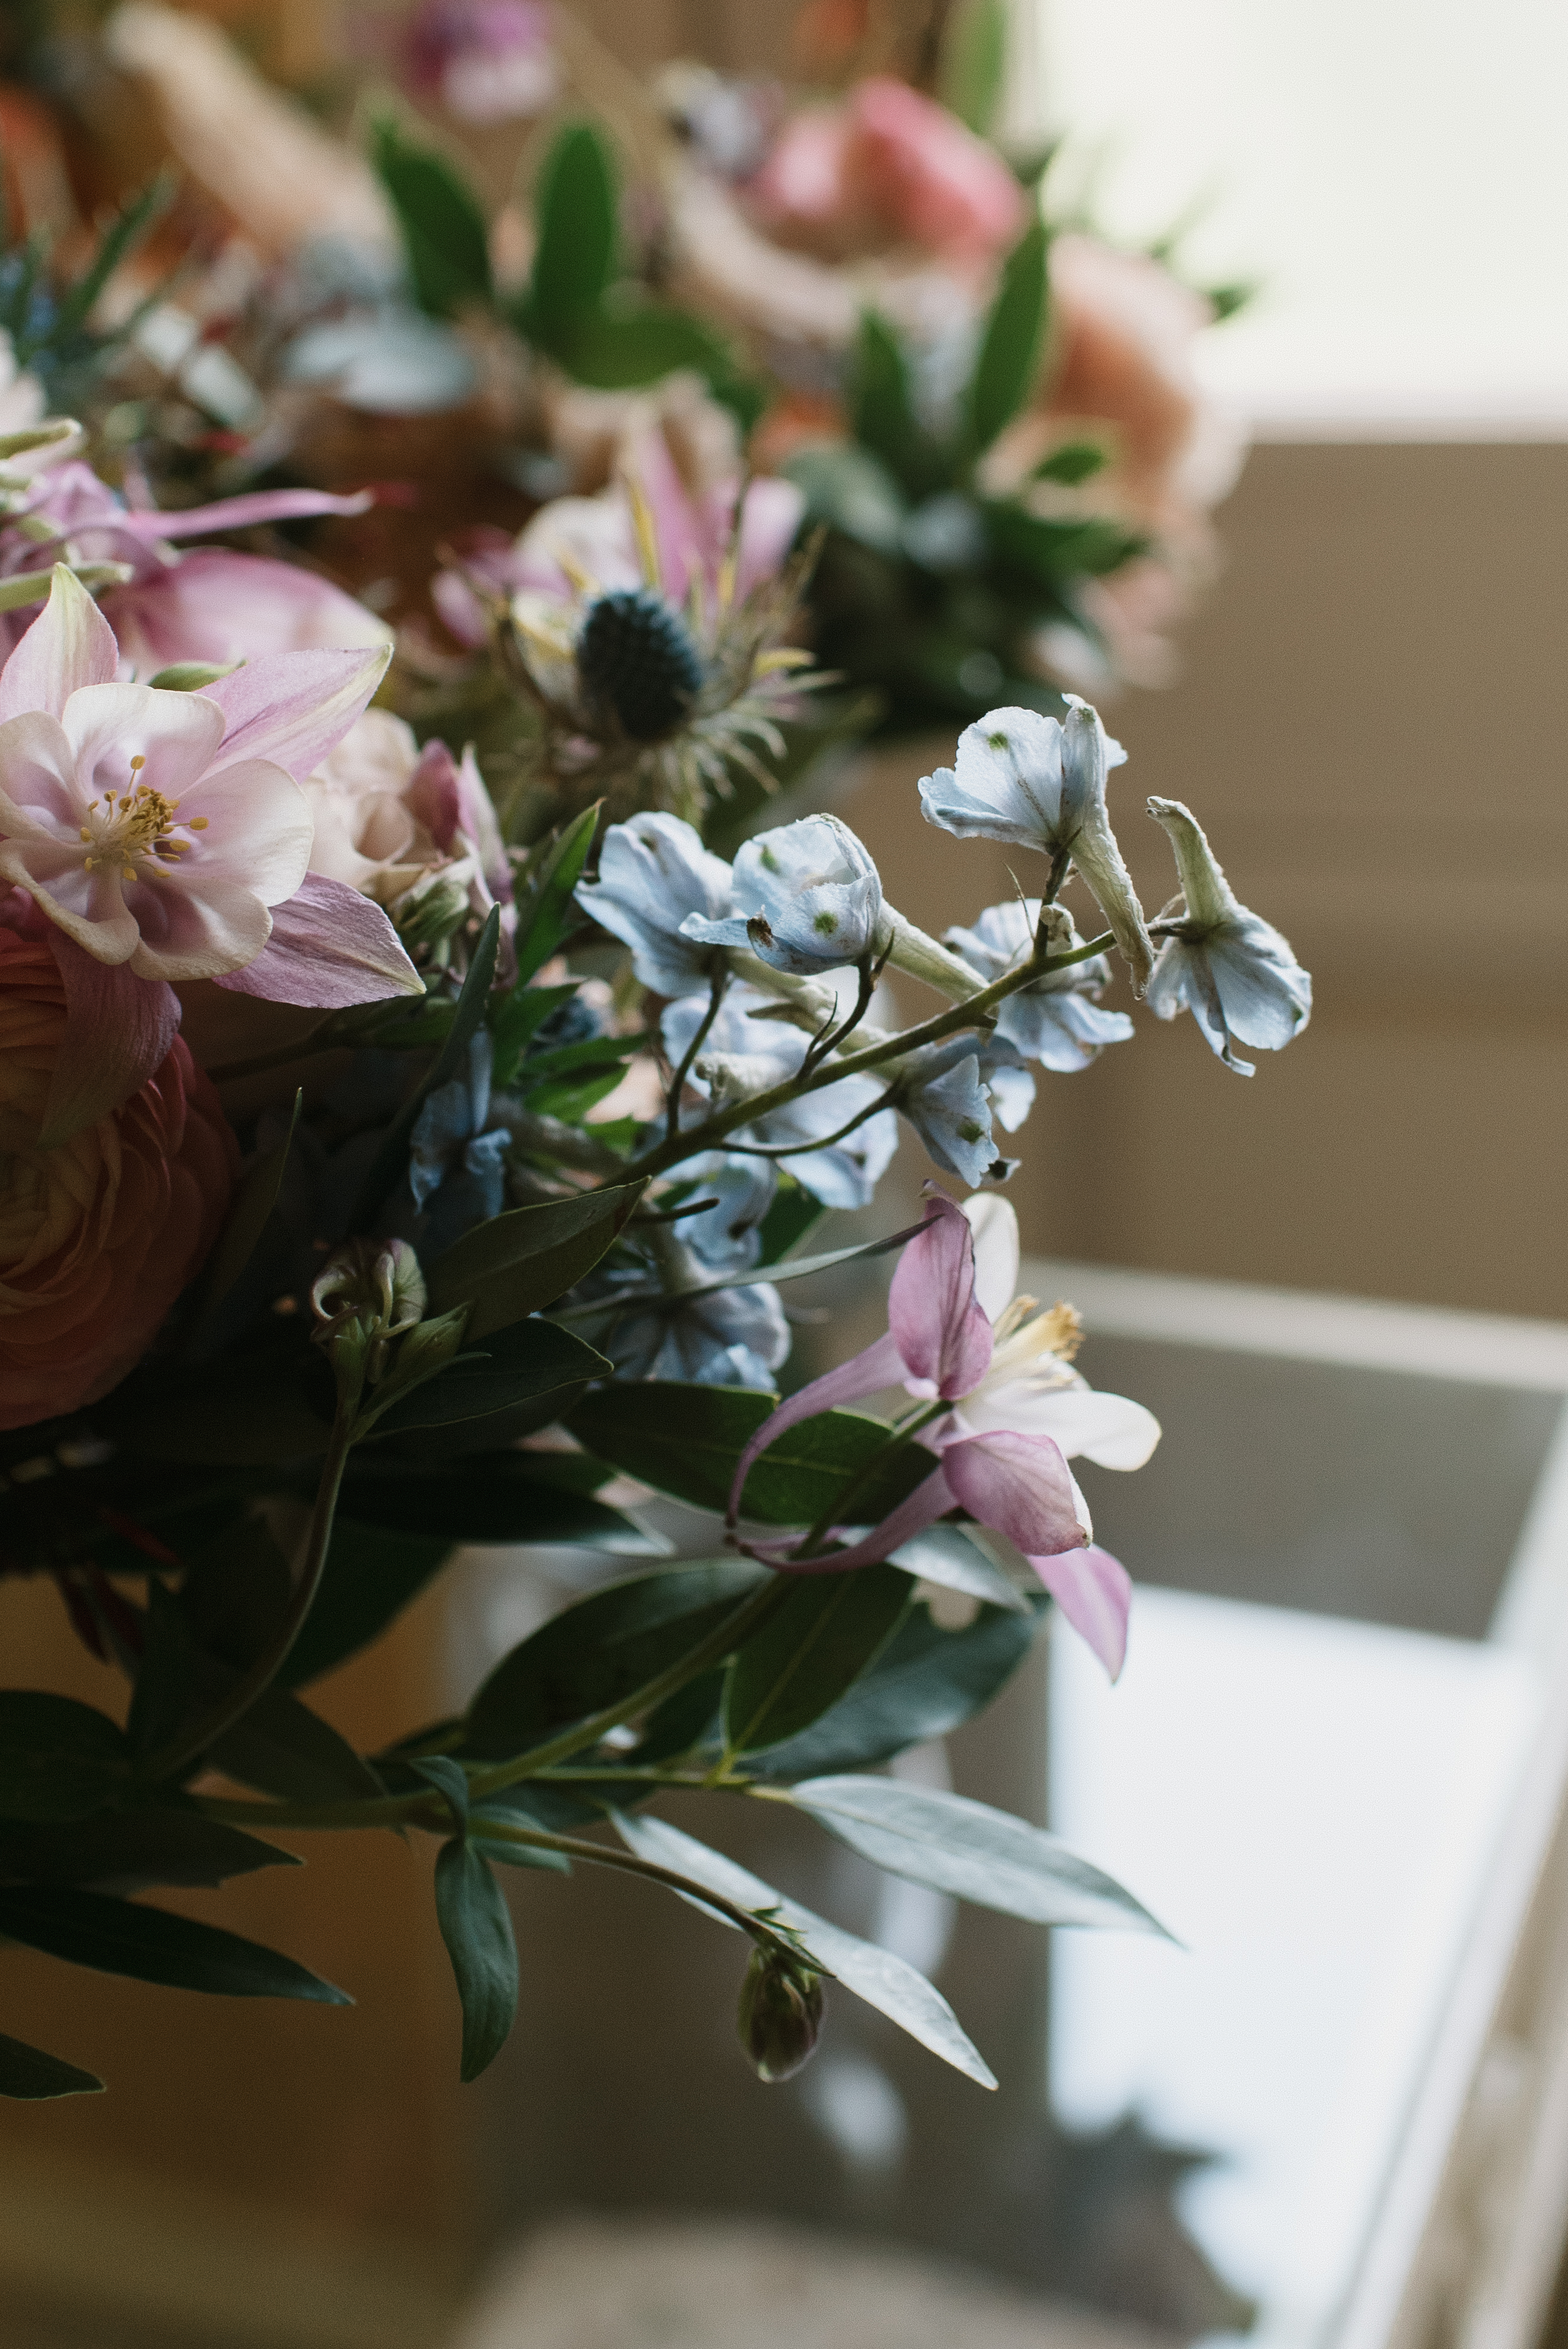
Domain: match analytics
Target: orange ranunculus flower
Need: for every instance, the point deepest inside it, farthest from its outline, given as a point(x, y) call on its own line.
point(99, 1236)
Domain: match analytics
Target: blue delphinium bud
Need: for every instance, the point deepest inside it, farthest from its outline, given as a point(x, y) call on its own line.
point(808, 900)
point(636, 657)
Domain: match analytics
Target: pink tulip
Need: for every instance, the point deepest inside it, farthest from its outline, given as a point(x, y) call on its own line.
point(165, 837)
point(940, 1343)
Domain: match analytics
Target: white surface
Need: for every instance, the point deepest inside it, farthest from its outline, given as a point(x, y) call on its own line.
point(1392, 170)
point(1310, 1806)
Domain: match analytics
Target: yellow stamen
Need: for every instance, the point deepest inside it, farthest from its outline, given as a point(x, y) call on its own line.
point(647, 536)
point(194, 823)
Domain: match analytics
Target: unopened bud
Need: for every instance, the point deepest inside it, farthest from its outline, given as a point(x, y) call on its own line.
point(369, 1293)
point(436, 906)
point(190, 677)
point(780, 2013)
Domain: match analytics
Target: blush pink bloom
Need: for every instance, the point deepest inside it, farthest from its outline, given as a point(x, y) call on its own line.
point(998, 1460)
point(486, 60)
point(165, 837)
point(889, 166)
point(98, 1235)
point(209, 605)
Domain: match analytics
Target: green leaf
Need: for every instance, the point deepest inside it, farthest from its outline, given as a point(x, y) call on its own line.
point(571, 1099)
point(965, 1558)
point(249, 1412)
point(926, 1682)
point(477, 1930)
point(58, 1759)
point(281, 1747)
point(530, 1362)
point(28, 2073)
point(549, 910)
point(803, 1659)
point(686, 1439)
point(450, 1780)
point(519, 1262)
point(388, 1165)
point(882, 413)
point(1054, 551)
point(169, 1676)
point(496, 1496)
point(512, 1023)
point(974, 1852)
point(1074, 461)
point(443, 227)
point(516, 1855)
point(235, 1595)
point(852, 491)
point(690, 1717)
point(973, 69)
point(575, 210)
point(253, 1204)
point(118, 240)
point(130, 1850)
point(601, 1650)
point(372, 1574)
point(611, 352)
point(874, 1974)
point(1010, 347)
point(795, 1212)
point(121, 1937)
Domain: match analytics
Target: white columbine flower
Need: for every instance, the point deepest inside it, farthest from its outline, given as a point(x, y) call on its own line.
point(1037, 783)
point(807, 899)
point(1228, 967)
point(1031, 1385)
point(654, 872)
point(1057, 1020)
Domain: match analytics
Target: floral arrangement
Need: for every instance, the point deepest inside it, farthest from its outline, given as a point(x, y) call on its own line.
point(413, 1124)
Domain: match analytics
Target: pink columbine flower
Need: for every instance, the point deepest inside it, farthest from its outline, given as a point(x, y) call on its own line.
point(164, 837)
point(1002, 1449)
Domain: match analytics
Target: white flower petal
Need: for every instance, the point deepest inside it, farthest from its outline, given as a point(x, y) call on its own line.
point(994, 1223)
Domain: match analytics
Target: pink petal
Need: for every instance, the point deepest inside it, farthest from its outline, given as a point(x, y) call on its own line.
point(240, 514)
point(685, 547)
point(433, 795)
point(87, 906)
point(293, 707)
point(329, 948)
point(258, 829)
point(70, 644)
point(942, 1334)
point(880, 1365)
point(195, 926)
point(771, 517)
point(212, 606)
point(118, 1028)
point(39, 766)
point(106, 726)
point(476, 814)
point(925, 1505)
point(1020, 1484)
point(1095, 1593)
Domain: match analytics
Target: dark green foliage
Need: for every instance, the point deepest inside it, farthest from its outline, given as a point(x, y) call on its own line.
point(131, 1849)
point(518, 1263)
point(372, 1573)
point(472, 1912)
point(58, 1759)
point(497, 1496)
point(443, 227)
point(1009, 346)
point(121, 1937)
point(830, 1628)
point(26, 2072)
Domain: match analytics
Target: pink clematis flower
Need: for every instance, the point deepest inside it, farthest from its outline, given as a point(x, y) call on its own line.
point(165, 837)
point(1001, 1458)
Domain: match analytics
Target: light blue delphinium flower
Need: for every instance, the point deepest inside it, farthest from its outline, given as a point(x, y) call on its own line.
point(1057, 1020)
point(457, 1170)
point(1231, 970)
point(654, 872)
point(1039, 783)
point(807, 899)
point(943, 1095)
point(742, 1056)
point(735, 1337)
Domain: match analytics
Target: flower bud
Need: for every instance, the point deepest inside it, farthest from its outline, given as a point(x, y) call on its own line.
point(369, 1294)
point(780, 2013)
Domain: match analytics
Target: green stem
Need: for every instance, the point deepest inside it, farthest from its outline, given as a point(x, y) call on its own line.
point(713, 1130)
point(236, 1701)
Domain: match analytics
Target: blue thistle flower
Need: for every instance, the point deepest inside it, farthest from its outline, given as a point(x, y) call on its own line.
point(636, 657)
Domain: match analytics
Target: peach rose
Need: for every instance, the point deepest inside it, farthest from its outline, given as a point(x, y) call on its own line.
point(99, 1236)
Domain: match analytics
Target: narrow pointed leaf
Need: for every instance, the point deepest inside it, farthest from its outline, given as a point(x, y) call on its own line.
point(1010, 347)
point(29, 2072)
point(520, 1262)
point(121, 1937)
point(971, 1851)
point(874, 1974)
point(574, 218)
point(477, 1930)
point(58, 1759)
point(828, 1630)
point(548, 910)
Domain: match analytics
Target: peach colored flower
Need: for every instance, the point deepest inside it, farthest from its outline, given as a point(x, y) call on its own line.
point(387, 812)
point(98, 1236)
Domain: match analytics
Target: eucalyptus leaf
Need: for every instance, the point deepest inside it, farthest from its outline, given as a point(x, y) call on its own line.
point(874, 1974)
point(27, 2072)
point(972, 1851)
point(477, 1930)
point(1010, 345)
point(601, 1650)
point(122, 1937)
point(519, 1262)
point(829, 1629)
point(58, 1759)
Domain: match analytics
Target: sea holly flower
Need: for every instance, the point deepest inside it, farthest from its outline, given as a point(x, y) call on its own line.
point(1231, 970)
point(655, 874)
point(1018, 1412)
point(807, 899)
point(1058, 1020)
point(1037, 783)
